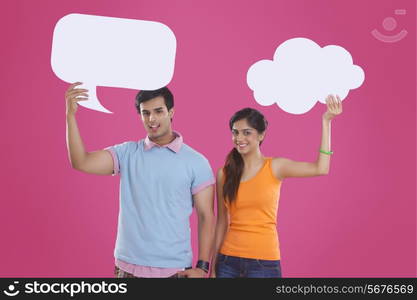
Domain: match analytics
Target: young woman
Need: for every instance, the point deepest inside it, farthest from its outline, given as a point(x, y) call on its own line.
point(248, 189)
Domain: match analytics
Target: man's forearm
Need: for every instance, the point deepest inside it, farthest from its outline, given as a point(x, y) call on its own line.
point(75, 146)
point(205, 236)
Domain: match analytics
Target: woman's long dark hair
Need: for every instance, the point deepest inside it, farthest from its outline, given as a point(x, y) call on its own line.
point(233, 168)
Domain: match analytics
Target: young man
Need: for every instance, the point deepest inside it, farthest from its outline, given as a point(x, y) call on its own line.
point(162, 178)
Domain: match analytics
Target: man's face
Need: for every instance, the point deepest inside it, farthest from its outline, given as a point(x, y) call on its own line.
point(156, 117)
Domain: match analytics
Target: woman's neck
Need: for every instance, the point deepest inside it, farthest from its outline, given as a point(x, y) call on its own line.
point(252, 158)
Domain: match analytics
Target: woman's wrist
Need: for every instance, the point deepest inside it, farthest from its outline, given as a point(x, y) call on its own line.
point(326, 119)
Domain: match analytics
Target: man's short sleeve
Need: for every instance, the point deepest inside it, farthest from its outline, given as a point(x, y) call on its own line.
point(119, 154)
point(202, 175)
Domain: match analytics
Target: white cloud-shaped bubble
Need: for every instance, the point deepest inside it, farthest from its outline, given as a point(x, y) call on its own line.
point(302, 73)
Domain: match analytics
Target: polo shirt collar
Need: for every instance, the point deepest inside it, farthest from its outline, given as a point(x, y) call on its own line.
point(175, 145)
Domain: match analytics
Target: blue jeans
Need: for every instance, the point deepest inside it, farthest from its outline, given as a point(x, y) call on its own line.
point(232, 267)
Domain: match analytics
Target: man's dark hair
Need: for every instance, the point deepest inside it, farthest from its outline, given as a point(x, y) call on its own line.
point(144, 96)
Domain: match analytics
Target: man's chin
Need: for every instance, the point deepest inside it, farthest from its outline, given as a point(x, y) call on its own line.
point(155, 135)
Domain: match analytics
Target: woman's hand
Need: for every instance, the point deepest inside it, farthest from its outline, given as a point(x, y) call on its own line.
point(334, 107)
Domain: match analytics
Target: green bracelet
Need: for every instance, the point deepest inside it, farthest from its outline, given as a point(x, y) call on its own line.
point(325, 152)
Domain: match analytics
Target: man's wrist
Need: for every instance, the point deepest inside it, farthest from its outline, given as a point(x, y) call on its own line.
point(203, 265)
point(70, 116)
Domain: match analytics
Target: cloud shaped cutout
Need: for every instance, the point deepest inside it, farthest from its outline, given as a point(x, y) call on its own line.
point(302, 73)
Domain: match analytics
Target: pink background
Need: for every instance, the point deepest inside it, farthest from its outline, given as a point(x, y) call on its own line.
point(359, 221)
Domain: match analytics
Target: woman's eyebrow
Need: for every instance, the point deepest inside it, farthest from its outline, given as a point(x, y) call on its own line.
point(241, 129)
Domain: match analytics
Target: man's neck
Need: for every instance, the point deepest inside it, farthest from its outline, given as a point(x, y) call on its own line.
point(165, 139)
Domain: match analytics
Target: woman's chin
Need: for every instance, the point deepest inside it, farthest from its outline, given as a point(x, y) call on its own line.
point(242, 151)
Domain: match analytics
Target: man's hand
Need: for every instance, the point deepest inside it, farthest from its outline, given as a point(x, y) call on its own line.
point(73, 95)
point(193, 273)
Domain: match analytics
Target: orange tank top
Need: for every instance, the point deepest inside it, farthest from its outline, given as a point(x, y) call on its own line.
point(253, 218)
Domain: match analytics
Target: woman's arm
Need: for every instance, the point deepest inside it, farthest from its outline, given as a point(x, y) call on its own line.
point(222, 224)
point(284, 167)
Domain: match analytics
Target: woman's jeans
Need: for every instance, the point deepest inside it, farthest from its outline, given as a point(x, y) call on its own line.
point(232, 267)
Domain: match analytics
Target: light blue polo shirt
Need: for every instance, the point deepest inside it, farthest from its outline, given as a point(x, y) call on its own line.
point(156, 188)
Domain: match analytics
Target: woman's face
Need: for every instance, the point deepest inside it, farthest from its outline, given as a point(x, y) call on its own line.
point(245, 138)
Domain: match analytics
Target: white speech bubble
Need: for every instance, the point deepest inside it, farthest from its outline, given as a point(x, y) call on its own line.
point(112, 52)
point(303, 73)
